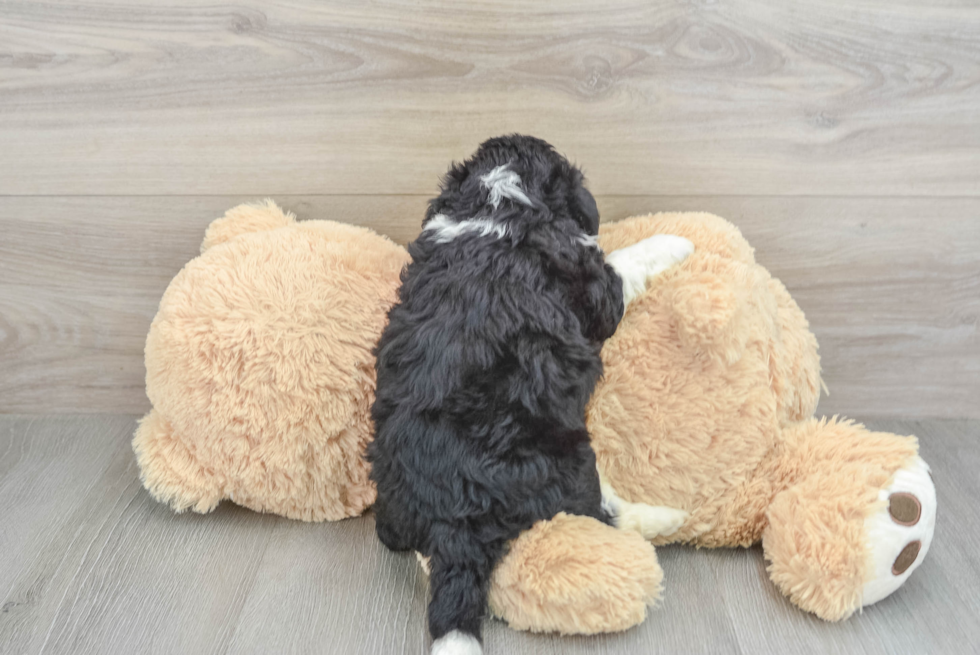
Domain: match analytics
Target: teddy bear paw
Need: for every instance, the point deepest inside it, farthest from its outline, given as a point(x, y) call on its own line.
point(899, 534)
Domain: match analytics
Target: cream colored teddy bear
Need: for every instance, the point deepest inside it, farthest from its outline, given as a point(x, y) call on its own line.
point(260, 371)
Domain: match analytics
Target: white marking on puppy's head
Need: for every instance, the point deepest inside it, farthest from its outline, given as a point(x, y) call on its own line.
point(445, 229)
point(504, 183)
point(589, 240)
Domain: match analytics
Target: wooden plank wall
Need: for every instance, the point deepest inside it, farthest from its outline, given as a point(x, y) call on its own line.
point(842, 137)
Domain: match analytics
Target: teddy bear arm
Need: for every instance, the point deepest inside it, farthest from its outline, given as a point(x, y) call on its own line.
point(573, 575)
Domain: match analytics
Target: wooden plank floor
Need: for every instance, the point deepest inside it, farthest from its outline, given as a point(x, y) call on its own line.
point(841, 136)
point(89, 564)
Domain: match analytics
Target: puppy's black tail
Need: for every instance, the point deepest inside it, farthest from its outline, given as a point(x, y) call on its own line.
point(461, 565)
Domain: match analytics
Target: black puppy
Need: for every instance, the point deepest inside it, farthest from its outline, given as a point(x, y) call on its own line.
point(485, 369)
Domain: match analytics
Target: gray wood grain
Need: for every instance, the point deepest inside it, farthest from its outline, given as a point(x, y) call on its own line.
point(891, 287)
point(733, 97)
point(90, 564)
point(96, 562)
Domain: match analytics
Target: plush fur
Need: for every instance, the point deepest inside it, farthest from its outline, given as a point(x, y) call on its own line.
point(485, 368)
point(706, 404)
point(260, 369)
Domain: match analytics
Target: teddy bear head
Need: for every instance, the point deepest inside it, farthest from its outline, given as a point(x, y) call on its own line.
point(260, 369)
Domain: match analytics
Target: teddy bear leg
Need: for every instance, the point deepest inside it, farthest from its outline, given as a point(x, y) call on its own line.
point(900, 530)
point(855, 525)
point(169, 470)
point(574, 575)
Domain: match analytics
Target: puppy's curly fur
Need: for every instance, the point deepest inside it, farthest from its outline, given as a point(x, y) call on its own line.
point(485, 368)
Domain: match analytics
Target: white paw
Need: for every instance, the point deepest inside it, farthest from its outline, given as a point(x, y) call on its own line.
point(645, 259)
point(650, 520)
point(663, 251)
point(899, 534)
point(457, 643)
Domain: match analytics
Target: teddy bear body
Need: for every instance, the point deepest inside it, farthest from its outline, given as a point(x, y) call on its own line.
point(693, 394)
point(260, 371)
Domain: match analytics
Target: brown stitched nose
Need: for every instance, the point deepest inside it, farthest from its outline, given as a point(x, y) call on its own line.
point(904, 508)
point(906, 557)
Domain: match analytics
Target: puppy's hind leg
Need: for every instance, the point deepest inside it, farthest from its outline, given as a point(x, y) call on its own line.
point(460, 573)
point(649, 520)
point(393, 531)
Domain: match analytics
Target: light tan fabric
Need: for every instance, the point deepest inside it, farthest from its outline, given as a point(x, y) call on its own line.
point(710, 384)
point(260, 372)
point(575, 575)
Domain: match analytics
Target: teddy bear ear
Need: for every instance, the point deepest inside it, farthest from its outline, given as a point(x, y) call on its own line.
point(257, 217)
